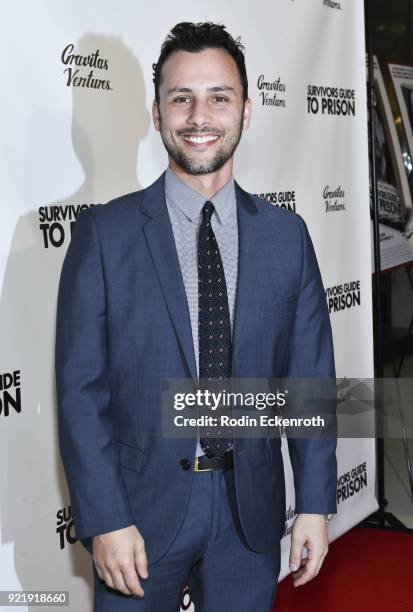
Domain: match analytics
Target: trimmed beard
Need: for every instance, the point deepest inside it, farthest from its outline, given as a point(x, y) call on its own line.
point(194, 167)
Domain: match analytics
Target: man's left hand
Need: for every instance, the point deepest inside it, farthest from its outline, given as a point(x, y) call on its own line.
point(309, 531)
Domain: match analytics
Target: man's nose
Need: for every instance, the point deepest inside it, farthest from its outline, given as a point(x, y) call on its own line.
point(200, 114)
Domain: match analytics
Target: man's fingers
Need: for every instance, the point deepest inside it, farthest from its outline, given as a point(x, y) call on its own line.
point(309, 531)
point(120, 559)
point(119, 582)
point(132, 581)
point(107, 577)
point(305, 576)
point(301, 569)
point(310, 570)
point(141, 561)
point(122, 578)
point(295, 553)
point(321, 560)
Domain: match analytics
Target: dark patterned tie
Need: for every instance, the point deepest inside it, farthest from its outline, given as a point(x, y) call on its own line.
point(214, 327)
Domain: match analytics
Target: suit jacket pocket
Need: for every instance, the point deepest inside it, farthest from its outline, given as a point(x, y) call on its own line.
point(130, 457)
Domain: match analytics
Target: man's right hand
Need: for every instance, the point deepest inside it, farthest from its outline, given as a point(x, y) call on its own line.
point(120, 559)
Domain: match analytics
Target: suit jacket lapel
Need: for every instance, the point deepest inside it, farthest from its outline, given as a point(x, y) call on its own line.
point(247, 236)
point(161, 243)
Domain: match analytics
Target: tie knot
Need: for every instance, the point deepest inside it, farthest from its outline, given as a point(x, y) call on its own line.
point(207, 211)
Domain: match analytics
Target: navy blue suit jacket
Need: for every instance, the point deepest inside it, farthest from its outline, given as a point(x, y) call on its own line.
point(123, 325)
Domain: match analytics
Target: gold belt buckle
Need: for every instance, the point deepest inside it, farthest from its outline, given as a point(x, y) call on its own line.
point(198, 469)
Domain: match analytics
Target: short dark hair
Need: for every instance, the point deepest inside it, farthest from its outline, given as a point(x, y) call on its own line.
point(195, 37)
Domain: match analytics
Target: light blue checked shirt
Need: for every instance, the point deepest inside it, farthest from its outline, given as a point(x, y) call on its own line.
point(185, 212)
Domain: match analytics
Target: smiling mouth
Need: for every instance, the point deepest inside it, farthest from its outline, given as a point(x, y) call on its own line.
point(201, 140)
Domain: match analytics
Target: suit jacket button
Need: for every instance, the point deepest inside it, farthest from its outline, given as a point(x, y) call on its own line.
point(185, 464)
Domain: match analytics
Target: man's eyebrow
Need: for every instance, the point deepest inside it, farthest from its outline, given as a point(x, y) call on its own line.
point(222, 88)
point(215, 89)
point(179, 90)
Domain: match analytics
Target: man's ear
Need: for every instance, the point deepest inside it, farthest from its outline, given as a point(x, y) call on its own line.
point(247, 114)
point(155, 115)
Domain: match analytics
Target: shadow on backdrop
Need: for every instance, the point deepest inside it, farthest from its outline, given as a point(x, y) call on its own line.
point(107, 127)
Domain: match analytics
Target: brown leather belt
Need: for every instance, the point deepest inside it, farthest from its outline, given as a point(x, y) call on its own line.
point(204, 463)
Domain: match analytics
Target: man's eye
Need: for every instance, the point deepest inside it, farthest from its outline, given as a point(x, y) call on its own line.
point(182, 99)
point(220, 99)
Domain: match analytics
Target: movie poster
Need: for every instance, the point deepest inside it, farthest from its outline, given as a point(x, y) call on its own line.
point(395, 203)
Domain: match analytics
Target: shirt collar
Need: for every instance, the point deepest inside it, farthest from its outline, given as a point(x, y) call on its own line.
point(191, 202)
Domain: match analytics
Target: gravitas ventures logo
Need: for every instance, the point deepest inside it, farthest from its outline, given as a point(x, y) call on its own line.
point(332, 4)
point(80, 70)
point(333, 199)
point(271, 92)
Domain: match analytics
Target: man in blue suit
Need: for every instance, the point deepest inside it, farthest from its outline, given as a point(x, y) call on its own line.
point(190, 278)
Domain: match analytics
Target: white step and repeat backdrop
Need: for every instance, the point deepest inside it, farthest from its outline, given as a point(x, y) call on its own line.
point(78, 132)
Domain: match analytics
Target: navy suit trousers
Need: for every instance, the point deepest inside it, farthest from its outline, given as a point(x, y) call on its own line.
point(210, 554)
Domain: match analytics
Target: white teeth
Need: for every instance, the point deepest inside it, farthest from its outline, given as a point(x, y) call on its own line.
point(200, 139)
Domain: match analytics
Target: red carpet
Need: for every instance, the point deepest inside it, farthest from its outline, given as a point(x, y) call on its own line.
point(365, 570)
